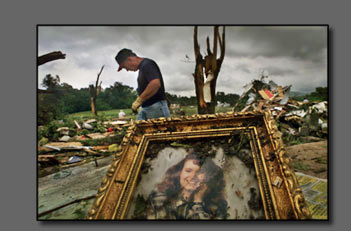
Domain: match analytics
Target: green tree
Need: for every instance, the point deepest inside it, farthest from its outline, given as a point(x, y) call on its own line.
point(118, 96)
point(49, 103)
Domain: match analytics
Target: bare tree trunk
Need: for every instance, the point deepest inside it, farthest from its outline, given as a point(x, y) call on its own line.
point(94, 92)
point(50, 57)
point(93, 105)
point(211, 65)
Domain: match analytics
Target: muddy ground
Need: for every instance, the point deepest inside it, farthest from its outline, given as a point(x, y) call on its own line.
point(310, 158)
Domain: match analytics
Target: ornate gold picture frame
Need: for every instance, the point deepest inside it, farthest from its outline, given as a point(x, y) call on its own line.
point(232, 141)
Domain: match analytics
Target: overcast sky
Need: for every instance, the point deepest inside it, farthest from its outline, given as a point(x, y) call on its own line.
point(294, 56)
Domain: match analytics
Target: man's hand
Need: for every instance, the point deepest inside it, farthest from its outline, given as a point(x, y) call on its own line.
point(137, 103)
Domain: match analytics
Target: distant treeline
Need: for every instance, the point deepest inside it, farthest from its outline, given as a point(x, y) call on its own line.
point(320, 94)
point(60, 99)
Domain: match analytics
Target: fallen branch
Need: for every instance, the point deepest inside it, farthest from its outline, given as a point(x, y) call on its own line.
point(50, 57)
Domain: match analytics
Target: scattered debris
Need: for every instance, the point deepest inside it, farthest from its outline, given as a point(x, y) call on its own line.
point(113, 148)
point(301, 118)
point(47, 160)
point(77, 124)
point(121, 114)
point(98, 148)
point(65, 138)
point(91, 121)
point(96, 136)
point(87, 126)
point(74, 159)
point(58, 146)
point(43, 141)
point(118, 122)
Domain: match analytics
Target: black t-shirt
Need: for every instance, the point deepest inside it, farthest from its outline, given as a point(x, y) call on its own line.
point(148, 71)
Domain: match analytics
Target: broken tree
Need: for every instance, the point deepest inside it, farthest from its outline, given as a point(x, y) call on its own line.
point(206, 90)
point(94, 92)
point(50, 57)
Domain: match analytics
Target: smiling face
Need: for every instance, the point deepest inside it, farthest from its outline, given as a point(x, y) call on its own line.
point(189, 180)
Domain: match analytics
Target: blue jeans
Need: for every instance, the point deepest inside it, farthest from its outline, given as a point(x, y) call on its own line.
point(156, 110)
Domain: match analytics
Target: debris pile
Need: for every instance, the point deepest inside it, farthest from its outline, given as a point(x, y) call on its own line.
point(82, 142)
point(295, 118)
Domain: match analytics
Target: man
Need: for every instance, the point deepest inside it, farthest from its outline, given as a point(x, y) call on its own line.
point(151, 90)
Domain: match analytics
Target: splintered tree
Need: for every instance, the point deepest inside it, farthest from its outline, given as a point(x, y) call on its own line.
point(94, 92)
point(50, 57)
point(206, 90)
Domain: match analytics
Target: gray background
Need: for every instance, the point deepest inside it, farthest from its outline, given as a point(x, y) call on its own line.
point(18, 119)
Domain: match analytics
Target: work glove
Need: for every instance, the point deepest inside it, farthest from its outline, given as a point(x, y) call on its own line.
point(137, 103)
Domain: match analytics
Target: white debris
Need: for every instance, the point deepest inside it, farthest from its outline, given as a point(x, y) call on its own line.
point(64, 138)
point(90, 121)
point(62, 129)
point(118, 122)
point(321, 107)
point(121, 114)
point(87, 126)
point(300, 113)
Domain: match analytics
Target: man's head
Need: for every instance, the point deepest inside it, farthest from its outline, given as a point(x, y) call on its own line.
point(123, 58)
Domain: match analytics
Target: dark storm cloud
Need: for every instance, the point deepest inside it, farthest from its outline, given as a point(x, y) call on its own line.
point(296, 42)
point(288, 54)
point(279, 71)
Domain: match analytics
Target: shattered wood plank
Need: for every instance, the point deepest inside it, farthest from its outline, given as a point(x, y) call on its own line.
point(44, 149)
point(101, 147)
point(111, 133)
point(80, 163)
point(46, 155)
point(265, 94)
point(245, 108)
point(77, 124)
point(88, 150)
point(62, 129)
point(58, 146)
point(66, 165)
point(90, 121)
point(64, 144)
point(95, 136)
point(118, 122)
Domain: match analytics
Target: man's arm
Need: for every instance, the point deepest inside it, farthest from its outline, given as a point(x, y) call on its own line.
point(150, 90)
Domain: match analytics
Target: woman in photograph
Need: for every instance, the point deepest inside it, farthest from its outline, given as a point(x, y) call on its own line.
point(191, 189)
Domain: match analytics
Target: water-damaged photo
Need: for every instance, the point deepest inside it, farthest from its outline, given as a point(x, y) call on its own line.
point(198, 179)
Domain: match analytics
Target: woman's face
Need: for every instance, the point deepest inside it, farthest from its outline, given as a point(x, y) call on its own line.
point(189, 179)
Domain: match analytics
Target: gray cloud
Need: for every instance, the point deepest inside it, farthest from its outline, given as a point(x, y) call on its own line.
point(290, 55)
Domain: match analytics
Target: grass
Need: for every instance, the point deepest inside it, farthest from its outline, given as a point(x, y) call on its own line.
point(321, 160)
point(106, 115)
point(300, 166)
point(113, 114)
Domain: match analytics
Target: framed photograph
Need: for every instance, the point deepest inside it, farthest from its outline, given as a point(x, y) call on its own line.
point(226, 166)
